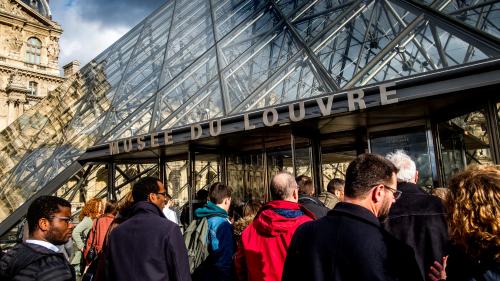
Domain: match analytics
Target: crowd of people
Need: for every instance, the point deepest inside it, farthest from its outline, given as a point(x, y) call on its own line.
point(376, 224)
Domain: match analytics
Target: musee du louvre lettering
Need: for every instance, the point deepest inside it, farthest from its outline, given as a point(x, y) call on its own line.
point(355, 100)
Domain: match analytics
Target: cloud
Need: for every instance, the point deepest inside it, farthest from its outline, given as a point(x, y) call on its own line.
point(90, 26)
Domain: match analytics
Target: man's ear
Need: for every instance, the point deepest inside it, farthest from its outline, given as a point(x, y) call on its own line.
point(416, 176)
point(43, 224)
point(151, 197)
point(376, 193)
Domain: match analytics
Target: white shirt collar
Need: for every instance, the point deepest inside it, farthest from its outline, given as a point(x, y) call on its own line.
point(45, 244)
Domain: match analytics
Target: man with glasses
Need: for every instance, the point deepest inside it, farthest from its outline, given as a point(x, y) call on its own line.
point(417, 218)
point(349, 243)
point(39, 258)
point(147, 246)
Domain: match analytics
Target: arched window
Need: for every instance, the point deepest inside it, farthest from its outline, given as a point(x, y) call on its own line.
point(33, 87)
point(33, 50)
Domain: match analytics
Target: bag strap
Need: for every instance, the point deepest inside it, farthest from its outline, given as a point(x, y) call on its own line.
point(94, 234)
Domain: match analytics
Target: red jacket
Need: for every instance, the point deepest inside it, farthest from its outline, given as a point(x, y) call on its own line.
point(100, 227)
point(265, 241)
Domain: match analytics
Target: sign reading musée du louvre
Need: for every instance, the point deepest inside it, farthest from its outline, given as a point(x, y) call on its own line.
point(270, 117)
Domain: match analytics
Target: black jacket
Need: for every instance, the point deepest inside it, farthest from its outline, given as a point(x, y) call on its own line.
point(147, 246)
point(348, 244)
point(419, 220)
point(33, 262)
point(313, 205)
point(461, 267)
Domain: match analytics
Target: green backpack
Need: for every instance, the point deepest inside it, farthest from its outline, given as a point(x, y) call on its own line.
point(195, 238)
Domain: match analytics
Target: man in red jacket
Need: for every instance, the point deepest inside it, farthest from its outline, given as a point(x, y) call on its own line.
point(264, 242)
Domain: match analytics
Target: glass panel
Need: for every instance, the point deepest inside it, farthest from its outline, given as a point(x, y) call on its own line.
point(230, 13)
point(480, 14)
point(246, 176)
point(279, 161)
point(287, 7)
point(191, 37)
point(257, 66)
point(413, 143)
point(334, 165)
point(191, 84)
point(359, 40)
point(464, 141)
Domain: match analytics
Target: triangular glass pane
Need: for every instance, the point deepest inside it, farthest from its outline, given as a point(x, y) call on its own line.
point(295, 82)
point(288, 7)
point(206, 105)
point(421, 53)
point(258, 64)
point(137, 125)
point(188, 83)
point(481, 14)
point(313, 19)
point(360, 39)
point(191, 37)
point(263, 27)
point(229, 14)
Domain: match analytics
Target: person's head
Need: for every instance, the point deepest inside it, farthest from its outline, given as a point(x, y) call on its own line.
point(284, 187)
point(473, 211)
point(407, 170)
point(305, 184)
point(220, 195)
point(149, 189)
point(110, 207)
point(49, 219)
point(371, 182)
point(92, 209)
point(201, 195)
point(125, 203)
point(336, 186)
point(251, 208)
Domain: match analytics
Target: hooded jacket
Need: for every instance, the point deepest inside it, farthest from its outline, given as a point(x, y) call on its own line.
point(147, 246)
point(314, 205)
point(265, 241)
point(218, 265)
point(328, 199)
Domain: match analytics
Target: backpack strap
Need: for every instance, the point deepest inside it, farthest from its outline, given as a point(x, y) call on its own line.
point(27, 258)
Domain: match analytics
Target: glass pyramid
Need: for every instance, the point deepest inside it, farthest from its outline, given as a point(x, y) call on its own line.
point(194, 60)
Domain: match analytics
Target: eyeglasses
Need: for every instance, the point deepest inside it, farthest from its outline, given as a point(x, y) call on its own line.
point(68, 220)
point(164, 193)
point(396, 193)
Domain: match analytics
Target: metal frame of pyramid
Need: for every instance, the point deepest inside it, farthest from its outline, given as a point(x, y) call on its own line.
point(192, 61)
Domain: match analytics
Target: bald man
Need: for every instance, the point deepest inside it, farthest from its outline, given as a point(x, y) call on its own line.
point(265, 241)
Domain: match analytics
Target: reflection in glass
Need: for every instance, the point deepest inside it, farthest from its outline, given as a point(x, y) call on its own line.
point(414, 144)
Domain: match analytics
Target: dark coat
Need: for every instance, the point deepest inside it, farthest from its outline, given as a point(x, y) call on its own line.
point(348, 244)
point(461, 267)
point(419, 220)
point(27, 262)
point(313, 205)
point(147, 246)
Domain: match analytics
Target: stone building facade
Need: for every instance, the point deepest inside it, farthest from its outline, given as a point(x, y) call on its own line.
point(29, 56)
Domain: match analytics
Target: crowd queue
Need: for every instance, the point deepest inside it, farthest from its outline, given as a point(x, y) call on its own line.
point(378, 224)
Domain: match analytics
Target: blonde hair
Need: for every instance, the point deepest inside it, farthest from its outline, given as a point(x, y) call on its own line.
point(91, 209)
point(474, 211)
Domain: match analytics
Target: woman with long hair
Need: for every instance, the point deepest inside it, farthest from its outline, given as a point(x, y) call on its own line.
point(90, 211)
point(474, 224)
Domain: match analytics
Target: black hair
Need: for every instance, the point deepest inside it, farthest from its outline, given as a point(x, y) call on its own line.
point(366, 171)
point(143, 187)
point(110, 207)
point(218, 192)
point(305, 184)
point(44, 207)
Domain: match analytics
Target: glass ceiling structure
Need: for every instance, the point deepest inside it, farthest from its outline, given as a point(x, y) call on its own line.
point(195, 60)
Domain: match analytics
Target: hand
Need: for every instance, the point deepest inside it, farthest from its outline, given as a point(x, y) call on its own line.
point(437, 271)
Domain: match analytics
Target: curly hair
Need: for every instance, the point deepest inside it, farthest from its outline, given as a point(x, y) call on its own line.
point(474, 211)
point(91, 209)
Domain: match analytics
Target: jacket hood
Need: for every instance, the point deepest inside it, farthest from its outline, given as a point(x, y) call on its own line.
point(210, 210)
point(278, 216)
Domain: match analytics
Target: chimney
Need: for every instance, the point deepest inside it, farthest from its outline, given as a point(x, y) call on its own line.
point(71, 68)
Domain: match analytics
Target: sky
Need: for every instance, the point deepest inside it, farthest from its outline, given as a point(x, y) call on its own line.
point(90, 26)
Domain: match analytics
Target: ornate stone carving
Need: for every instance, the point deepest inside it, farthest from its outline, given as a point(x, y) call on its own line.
point(15, 80)
point(14, 41)
point(53, 49)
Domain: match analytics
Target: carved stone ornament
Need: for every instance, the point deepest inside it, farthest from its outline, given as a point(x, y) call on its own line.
point(14, 41)
point(15, 9)
point(53, 49)
point(15, 80)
